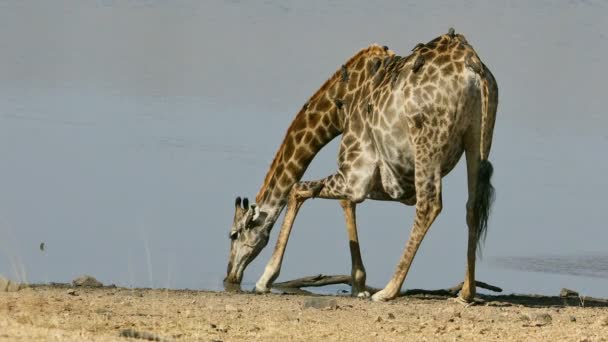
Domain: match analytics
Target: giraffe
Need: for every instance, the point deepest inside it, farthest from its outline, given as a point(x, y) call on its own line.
point(402, 132)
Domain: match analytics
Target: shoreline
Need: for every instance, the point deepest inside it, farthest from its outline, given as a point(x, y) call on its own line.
point(43, 312)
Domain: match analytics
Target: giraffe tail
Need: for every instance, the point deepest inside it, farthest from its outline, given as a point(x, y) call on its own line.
point(485, 192)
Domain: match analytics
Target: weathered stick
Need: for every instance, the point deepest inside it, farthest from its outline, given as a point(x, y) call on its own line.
point(313, 281)
point(323, 280)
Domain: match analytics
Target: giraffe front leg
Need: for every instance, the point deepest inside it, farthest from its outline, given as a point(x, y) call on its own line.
point(428, 206)
point(357, 270)
point(299, 193)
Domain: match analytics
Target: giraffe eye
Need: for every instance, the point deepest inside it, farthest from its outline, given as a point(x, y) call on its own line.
point(233, 235)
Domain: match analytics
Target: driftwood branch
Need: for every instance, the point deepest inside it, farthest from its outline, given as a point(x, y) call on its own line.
point(323, 280)
point(314, 281)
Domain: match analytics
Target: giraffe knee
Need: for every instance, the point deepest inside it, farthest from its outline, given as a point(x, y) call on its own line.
point(431, 207)
point(436, 206)
point(357, 196)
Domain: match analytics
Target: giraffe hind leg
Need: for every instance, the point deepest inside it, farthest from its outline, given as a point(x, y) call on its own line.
point(481, 195)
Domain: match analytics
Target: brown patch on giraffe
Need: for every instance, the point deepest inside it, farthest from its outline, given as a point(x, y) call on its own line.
point(414, 78)
point(442, 59)
point(360, 79)
point(430, 55)
point(284, 181)
point(459, 67)
point(323, 105)
point(326, 120)
point(359, 64)
point(314, 119)
point(299, 136)
point(308, 137)
point(442, 47)
point(457, 55)
point(322, 131)
point(429, 89)
point(447, 70)
point(289, 149)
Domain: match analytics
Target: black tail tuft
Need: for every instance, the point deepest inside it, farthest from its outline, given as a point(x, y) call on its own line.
point(483, 200)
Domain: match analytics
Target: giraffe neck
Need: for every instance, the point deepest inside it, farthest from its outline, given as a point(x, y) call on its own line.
point(318, 122)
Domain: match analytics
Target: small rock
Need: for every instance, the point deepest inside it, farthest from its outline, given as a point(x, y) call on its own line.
point(232, 308)
point(378, 319)
point(86, 281)
point(391, 316)
point(537, 319)
point(542, 317)
point(72, 292)
point(321, 303)
point(568, 293)
point(572, 319)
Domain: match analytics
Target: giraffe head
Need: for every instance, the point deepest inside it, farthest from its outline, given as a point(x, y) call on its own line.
point(248, 236)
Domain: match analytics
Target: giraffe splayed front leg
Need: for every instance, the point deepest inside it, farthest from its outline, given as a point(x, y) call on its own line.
point(428, 206)
point(299, 193)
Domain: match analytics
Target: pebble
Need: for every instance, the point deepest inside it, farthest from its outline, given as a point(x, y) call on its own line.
point(320, 303)
point(86, 281)
point(391, 315)
point(72, 292)
point(537, 319)
point(232, 308)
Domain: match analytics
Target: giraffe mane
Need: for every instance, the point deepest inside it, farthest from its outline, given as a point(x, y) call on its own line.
point(373, 49)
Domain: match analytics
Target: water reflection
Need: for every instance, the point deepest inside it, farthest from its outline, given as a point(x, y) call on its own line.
point(588, 265)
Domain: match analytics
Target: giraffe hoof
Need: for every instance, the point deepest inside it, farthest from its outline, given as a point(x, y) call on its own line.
point(259, 289)
point(467, 303)
point(363, 295)
point(381, 296)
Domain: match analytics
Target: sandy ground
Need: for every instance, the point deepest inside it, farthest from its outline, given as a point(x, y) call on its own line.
point(45, 313)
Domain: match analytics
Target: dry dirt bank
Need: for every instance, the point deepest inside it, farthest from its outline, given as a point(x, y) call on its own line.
point(56, 313)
